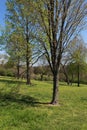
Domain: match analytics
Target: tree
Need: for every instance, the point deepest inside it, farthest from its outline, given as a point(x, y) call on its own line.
point(64, 67)
point(75, 56)
point(58, 22)
point(14, 44)
point(77, 53)
point(19, 16)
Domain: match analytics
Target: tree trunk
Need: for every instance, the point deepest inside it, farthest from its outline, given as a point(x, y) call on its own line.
point(28, 65)
point(27, 53)
point(18, 71)
point(18, 68)
point(55, 89)
point(28, 71)
point(66, 75)
point(78, 76)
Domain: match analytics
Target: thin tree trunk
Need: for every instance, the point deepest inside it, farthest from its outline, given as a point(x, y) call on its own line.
point(18, 71)
point(18, 68)
point(66, 75)
point(28, 65)
point(27, 53)
point(55, 90)
point(28, 71)
point(78, 76)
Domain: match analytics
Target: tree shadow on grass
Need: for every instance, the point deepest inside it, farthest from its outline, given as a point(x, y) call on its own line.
point(7, 99)
point(9, 82)
point(24, 100)
point(12, 81)
point(13, 96)
point(84, 99)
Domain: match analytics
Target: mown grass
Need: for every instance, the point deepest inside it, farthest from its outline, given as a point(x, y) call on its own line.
point(25, 107)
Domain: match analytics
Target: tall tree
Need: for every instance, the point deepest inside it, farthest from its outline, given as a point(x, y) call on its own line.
point(58, 22)
point(19, 15)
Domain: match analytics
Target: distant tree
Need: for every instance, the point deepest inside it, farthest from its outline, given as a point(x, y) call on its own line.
point(42, 67)
point(74, 59)
point(43, 71)
point(15, 49)
point(64, 68)
point(77, 52)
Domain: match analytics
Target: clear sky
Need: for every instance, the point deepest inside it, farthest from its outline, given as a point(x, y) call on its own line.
point(84, 35)
point(2, 11)
point(2, 17)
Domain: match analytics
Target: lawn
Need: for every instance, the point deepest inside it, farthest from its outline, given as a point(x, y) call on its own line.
point(25, 107)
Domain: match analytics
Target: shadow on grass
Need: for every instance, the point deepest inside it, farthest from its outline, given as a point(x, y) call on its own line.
point(22, 100)
point(15, 82)
point(12, 81)
point(13, 96)
point(10, 98)
point(84, 99)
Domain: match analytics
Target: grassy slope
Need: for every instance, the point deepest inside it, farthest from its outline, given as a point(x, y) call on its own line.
point(22, 108)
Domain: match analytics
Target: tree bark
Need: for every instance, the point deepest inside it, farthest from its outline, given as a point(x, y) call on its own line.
point(55, 90)
point(28, 64)
point(78, 76)
point(18, 68)
point(27, 54)
point(28, 71)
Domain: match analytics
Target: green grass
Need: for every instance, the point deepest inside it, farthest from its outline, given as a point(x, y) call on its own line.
point(24, 107)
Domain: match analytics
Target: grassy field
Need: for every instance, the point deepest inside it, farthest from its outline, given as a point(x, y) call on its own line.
point(24, 107)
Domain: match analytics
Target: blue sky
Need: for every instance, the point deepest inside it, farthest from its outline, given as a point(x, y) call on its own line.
point(2, 12)
point(84, 35)
point(2, 17)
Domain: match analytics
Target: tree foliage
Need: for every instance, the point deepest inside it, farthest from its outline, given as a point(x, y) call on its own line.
point(50, 24)
point(19, 21)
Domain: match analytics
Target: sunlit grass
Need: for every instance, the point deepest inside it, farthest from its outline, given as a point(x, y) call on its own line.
point(24, 107)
